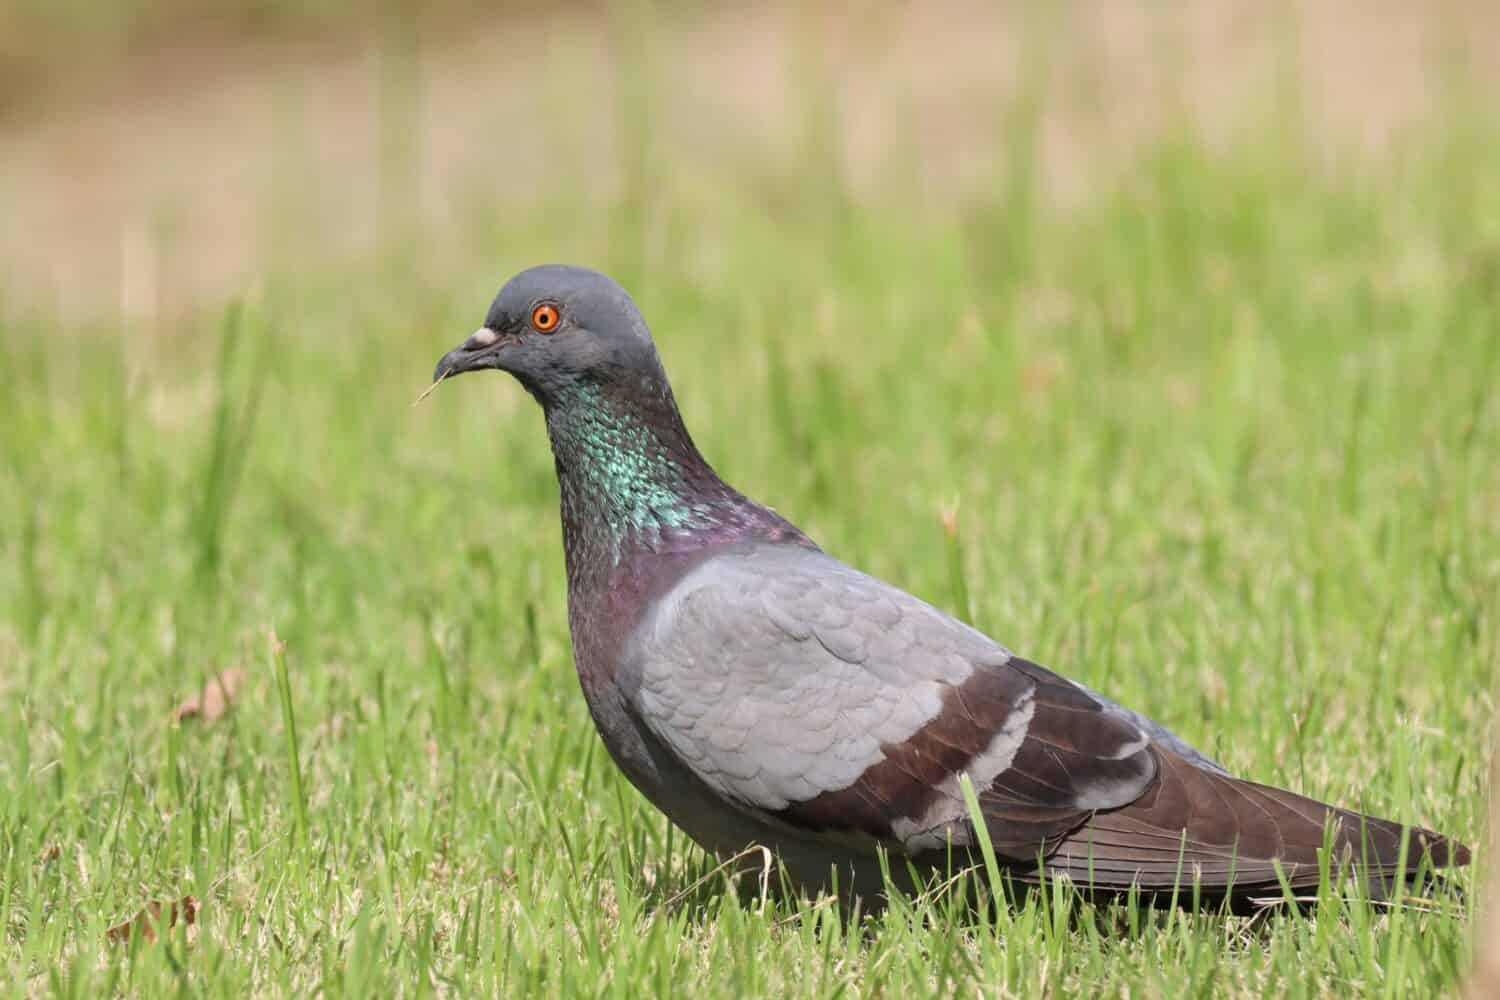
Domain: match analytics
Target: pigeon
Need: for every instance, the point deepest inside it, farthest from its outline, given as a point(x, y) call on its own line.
point(760, 692)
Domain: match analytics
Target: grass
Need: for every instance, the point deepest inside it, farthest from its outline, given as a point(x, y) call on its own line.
point(1222, 440)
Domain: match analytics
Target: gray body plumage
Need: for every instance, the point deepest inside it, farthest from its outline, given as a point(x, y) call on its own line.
point(772, 674)
point(778, 673)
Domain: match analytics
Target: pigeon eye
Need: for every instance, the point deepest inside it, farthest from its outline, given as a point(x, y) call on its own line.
point(545, 318)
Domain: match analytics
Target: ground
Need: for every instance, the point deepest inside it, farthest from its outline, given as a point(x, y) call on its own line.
point(1160, 345)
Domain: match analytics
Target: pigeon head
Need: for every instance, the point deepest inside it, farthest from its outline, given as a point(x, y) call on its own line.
point(557, 327)
point(630, 477)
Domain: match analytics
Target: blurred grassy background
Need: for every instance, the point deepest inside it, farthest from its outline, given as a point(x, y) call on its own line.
point(1192, 311)
point(77, 46)
point(158, 158)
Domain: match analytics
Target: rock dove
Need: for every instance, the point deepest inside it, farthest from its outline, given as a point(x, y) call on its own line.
point(760, 692)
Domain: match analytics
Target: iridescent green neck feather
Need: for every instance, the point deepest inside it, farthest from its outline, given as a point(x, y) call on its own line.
point(628, 471)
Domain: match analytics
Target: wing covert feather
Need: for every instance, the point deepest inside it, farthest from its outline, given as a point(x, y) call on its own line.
point(817, 696)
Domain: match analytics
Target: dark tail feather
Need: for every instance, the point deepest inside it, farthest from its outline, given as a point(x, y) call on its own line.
point(1229, 837)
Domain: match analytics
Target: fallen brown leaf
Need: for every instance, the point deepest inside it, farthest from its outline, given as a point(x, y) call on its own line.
point(156, 914)
point(211, 703)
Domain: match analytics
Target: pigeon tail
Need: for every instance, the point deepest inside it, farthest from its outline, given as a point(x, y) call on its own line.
point(1238, 839)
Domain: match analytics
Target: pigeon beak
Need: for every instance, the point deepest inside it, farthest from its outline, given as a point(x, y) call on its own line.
point(477, 352)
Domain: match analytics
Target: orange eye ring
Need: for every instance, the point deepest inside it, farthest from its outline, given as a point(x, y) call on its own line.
point(545, 317)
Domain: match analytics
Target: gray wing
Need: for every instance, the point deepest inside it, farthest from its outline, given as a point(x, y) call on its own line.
point(805, 691)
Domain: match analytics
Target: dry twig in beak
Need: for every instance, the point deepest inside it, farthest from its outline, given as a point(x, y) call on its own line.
point(428, 391)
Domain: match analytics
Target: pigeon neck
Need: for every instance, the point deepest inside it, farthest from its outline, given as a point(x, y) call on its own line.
point(629, 473)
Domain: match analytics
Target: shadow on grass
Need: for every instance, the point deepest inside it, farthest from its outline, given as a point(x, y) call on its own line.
point(961, 899)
